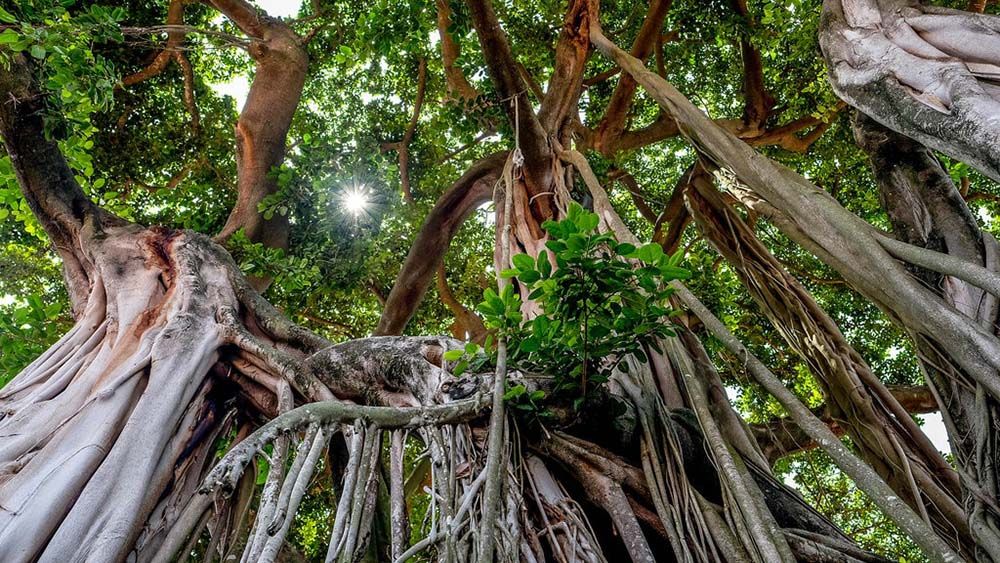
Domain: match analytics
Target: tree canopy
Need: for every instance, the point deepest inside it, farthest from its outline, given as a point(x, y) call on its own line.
point(354, 181)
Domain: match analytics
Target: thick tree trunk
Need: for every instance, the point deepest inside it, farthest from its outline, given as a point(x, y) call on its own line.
point(925, 71)
point(121, 407)
point(927, 210)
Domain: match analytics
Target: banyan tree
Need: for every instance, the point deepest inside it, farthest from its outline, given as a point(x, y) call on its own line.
point(484, 280)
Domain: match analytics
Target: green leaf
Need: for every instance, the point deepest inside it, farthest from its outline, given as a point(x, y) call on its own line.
point(7, 17)
point(530, 276)
point(37, 51)
point(576, 242)
point(624, 249)
point(587, 222)
point(556, 246)
point(649, 253)
point(544, 266)
point(514, 392)
point(523, 262)
point(452, 355)
point(530, 344)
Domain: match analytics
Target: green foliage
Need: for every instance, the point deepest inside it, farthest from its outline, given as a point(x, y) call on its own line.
point(27, 330)
point(601, 303)
point(256, 260)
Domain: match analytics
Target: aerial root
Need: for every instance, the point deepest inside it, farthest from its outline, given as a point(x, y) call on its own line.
point(271, 359)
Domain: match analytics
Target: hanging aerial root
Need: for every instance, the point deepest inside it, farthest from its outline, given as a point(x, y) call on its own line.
point(231, 466)
point(863, 475)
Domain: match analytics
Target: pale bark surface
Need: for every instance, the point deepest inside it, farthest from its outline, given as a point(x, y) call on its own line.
point(923, 70)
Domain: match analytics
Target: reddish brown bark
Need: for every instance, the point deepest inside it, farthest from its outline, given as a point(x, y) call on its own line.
point(613, 124)
point(473, 189)
point(458, 86)
point(263, 125)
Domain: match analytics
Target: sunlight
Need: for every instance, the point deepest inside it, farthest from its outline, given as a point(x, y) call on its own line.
point(355, 200)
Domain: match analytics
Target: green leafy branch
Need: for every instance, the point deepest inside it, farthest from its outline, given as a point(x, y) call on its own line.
point(602, 303)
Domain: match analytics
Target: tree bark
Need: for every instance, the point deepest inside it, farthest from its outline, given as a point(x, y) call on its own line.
point(426, 254)
point(879, 427)
point(923, 71)
point(261, 130)
point(927, 210)
point(813, 219)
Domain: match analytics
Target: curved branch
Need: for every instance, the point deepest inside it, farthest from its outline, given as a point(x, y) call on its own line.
point(458, 85)
point(473, 189)
point(566, 82)
point(225, 474)
point(281, 64)
point(175, 36)
point(403, 146)
point(503, 71)
point(468, 325)
point(612, 125)
point(943, 264)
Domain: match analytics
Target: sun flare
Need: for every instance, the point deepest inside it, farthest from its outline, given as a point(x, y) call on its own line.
point(355, 201)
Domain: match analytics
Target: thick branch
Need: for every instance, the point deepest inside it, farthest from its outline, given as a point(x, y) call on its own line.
point(263, 125)
point(923, 71)
point(46, 181)
point(473, 189)
point(503, 71)
point(758, 102)
point(613, 124)
point(565, 84)
point(458, 85)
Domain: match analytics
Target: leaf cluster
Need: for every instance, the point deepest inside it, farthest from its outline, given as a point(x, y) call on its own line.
point(601, 302)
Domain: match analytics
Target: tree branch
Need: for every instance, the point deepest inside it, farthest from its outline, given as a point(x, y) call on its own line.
point(503, 71)
point(781, 436)
point(758, 102)
point(458, 85)
point(613, 124)
point(68, 216)
point(565, 84)
point(172, 50)
point(281, 64)
point(473, 189)
point(229, 469)
point(403, 147)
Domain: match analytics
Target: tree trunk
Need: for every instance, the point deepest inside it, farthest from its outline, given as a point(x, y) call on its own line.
point(879, 427)
point(927, 210)
point(925, 71)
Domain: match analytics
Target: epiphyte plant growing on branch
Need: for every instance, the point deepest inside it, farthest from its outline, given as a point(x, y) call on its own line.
point(221, 221)
point(597, 309)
